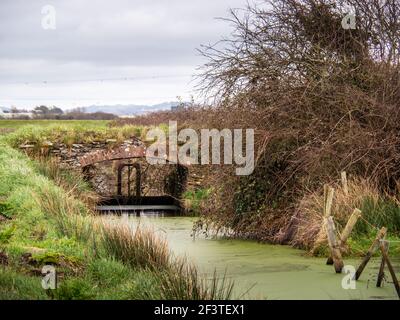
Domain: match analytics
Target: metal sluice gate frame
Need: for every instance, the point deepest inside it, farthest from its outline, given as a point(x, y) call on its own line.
point(137, 204)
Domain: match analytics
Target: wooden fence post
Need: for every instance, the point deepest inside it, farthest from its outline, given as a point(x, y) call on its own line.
point(334, 245)
point(347, 231)
point(327, 208)
point(328, 200)
point(344, 183)
point(390, 267)
point(381, 273)
point(375, 245)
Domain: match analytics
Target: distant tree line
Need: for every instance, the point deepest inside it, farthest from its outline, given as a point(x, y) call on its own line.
point(55, 113)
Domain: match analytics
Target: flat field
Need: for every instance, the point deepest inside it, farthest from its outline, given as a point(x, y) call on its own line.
point(15, 124)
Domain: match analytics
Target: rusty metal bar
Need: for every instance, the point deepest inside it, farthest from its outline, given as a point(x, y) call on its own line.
point(138, 178)
point(129, 179)
point(119, 179)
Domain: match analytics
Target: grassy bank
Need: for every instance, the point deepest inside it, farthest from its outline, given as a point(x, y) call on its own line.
point(44, 223)
point(69, 133)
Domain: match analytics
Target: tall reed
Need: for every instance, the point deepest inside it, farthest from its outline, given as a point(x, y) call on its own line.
point(182, 281)
point(71, 181)
point(139, 248)
point(72, 218)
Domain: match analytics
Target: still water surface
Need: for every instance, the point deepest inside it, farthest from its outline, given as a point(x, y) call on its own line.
point(269, 271)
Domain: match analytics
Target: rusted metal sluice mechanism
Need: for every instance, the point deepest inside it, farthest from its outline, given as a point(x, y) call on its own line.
point(137, 204)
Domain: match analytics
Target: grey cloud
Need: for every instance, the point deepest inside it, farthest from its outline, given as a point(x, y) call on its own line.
point(112, 32)
point(106, 38)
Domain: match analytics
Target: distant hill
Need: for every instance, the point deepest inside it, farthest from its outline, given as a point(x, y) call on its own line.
point(130, 109)
point(122, 109)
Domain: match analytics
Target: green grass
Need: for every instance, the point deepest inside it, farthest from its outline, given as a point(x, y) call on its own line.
point(70, 180)
point(69, 134)
point(194, 198)
point(24, 193)
point(382, 212)
point(16, 124)
point(17, 286)
point(6, 234)
point(360, 244)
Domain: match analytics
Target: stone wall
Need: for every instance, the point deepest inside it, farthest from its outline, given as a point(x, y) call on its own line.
point(103, 176)
point(69, 154)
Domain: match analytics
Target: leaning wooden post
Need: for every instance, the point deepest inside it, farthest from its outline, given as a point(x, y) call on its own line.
point(334, 245)
point(344, 183)
point(391, 270)
point(350, 225)
point(381, 273)
point(347, 231)
point(375, 245)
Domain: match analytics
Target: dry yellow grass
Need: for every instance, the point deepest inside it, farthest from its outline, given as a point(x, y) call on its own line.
point(310, 209)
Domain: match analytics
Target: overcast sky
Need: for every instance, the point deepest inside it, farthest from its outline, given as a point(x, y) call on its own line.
point(104, 52)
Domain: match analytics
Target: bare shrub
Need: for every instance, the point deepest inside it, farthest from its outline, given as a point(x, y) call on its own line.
point(321, 98)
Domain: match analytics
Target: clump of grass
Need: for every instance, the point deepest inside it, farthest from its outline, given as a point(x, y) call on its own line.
point(116, 280)
point(74, 289)
point(6, 234)
point(176, 278)
point(193, 199)
point(16, 286)
point(382, 211)
point(139, 249)
point(72, 218)
point(182, 281)
point(108, 272)
point(71, 181)
point(4, 209)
